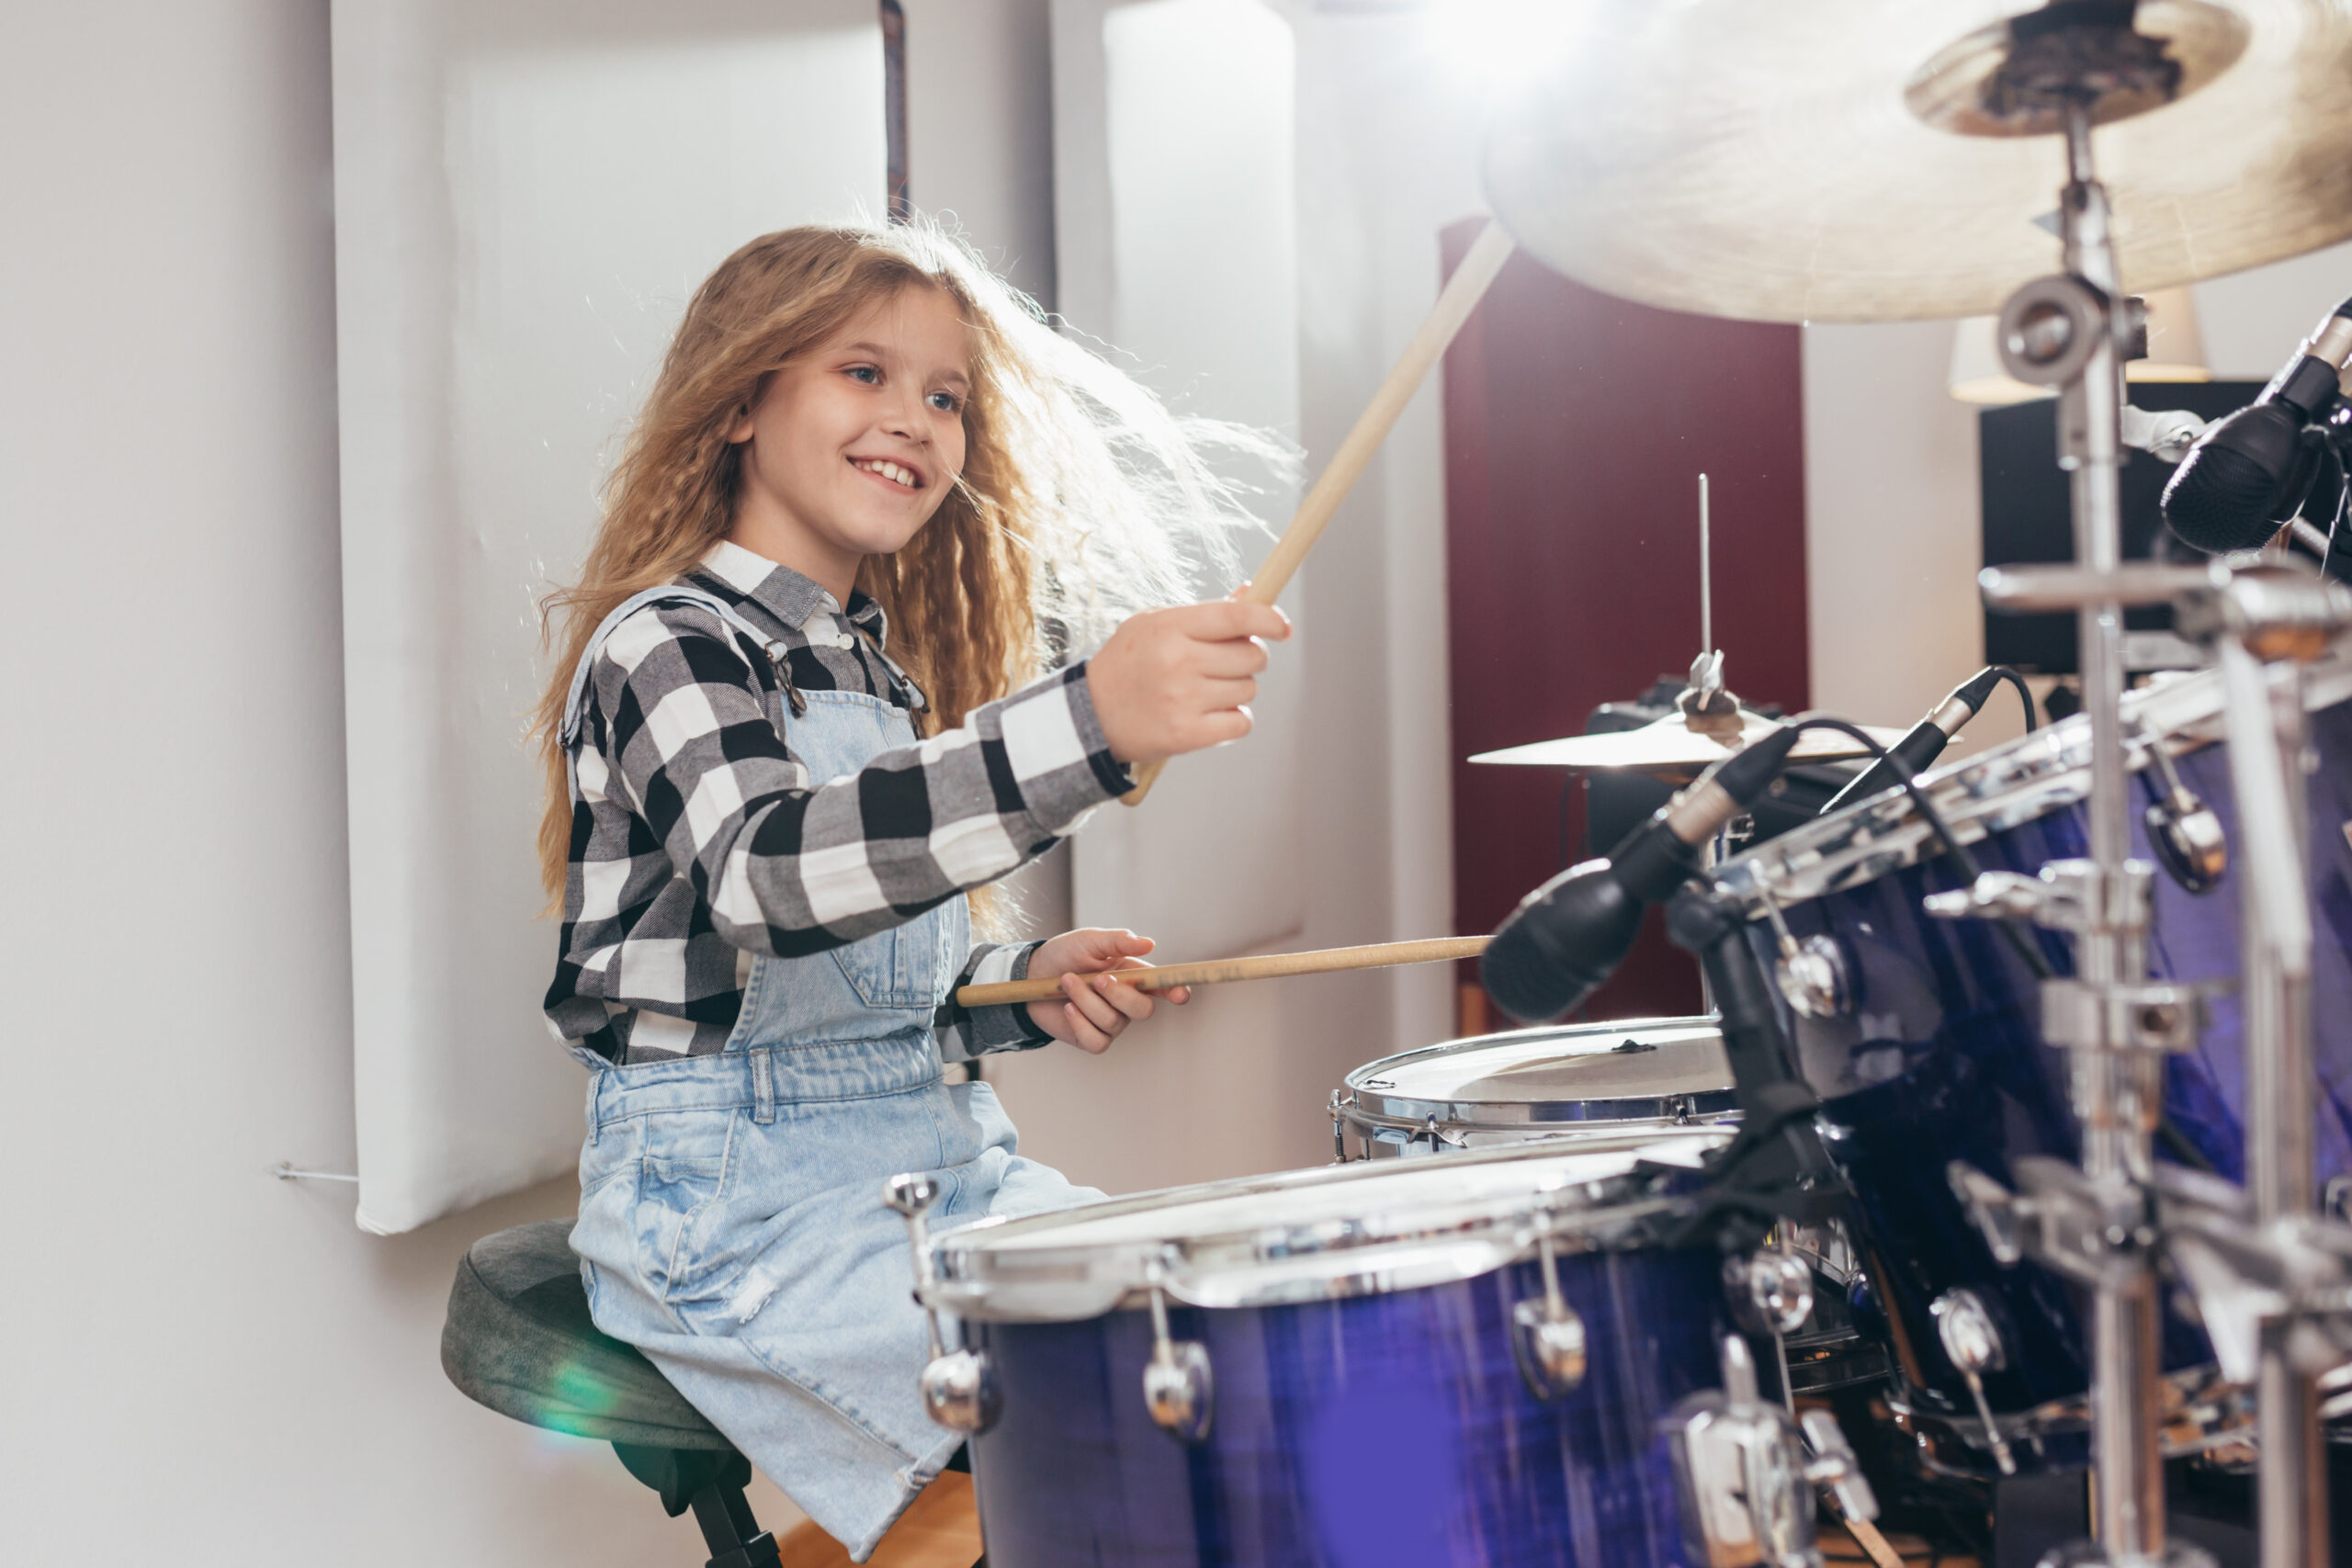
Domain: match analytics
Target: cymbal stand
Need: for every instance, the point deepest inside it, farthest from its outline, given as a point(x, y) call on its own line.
point(2069, 332)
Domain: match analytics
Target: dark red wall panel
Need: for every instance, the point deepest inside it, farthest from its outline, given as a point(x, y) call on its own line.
point(1577, 426)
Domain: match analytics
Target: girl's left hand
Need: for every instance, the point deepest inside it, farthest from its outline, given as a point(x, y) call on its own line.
point(1093, 1012)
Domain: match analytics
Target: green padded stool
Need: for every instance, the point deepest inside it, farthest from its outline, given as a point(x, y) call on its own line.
point(518, 1339)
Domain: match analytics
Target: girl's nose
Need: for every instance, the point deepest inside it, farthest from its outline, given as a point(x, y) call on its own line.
point(903, 416)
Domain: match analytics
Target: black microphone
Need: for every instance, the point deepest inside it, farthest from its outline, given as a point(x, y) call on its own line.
point(1569, 935)
point(1923, 745)
point(2248, 475)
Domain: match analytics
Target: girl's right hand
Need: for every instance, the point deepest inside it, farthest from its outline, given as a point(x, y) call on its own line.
point(1179, 679)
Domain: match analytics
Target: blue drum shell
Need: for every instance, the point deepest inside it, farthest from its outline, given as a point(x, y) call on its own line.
point(1378, 1429)
point(1943, 1059)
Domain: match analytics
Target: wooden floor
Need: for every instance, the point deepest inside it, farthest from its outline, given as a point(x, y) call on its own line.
point(941, 1530)
point(1840, 1550)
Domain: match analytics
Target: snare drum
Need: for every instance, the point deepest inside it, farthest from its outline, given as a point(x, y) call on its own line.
point(1922, 1038)
point(1498, 1089)
point(1587, 1079)
point(1456, 1362)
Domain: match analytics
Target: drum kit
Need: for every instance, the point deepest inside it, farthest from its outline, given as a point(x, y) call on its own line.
point(2008, 1147)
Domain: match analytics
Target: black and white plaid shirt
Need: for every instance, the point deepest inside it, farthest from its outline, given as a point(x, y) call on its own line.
point(697, 840)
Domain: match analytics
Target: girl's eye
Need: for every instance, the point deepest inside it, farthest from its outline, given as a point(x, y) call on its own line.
point(865, 373)
point(946, 403)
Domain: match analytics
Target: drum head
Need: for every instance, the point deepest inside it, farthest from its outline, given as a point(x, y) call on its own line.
point(1638, 1069)
point(1333, 1231)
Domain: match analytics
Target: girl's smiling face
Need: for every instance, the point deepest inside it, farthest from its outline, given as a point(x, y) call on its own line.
point(852, 446)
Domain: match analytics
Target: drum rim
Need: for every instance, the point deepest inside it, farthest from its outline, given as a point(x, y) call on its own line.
point(1363, 1107)
point(1719, 1108)
point(1271, 1263)
point(2018, 782)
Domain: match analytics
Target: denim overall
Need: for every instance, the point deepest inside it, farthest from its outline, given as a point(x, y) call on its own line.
point(732, 1224)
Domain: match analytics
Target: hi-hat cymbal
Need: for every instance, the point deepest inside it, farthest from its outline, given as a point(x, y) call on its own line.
point(1672, 749)
point(1832, 160)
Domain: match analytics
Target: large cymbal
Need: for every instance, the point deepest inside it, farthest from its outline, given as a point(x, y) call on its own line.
point(1777, 161)
point(1671, 749)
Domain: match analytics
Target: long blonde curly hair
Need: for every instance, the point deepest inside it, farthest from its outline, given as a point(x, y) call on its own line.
point(1083, 497)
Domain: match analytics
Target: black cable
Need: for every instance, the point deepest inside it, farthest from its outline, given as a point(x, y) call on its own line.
point(1936, 824)
point(2025, 695)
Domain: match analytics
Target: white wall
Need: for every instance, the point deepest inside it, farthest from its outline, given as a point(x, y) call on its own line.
point(980, 128)
point(209, 1364)
point(1236, 1082)
point(1893, 501)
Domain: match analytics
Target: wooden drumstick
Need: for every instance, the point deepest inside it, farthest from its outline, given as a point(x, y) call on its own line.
point(1221, 971)
point(1874, 1543)
point(1460, 296)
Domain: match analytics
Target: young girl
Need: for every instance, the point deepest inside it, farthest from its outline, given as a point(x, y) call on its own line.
point(780, 750)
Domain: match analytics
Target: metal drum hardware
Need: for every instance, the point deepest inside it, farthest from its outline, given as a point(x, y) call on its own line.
point(1811, 974)
point(1179, 1386)
point(1745, 1479)
point(1964, 1326)
point(2185, 833)
point(1546, 1331)
point(957, 1389)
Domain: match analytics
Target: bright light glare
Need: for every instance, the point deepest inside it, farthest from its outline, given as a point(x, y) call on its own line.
point(1501, 45)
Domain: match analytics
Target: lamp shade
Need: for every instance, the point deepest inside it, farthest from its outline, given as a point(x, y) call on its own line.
point(2175, 343)
point(2176, 352)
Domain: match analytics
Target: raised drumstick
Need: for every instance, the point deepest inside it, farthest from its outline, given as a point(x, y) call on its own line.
point(1463, 291)
point(1221, 971)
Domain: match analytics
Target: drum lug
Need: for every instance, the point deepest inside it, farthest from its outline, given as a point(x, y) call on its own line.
point(957, 1391)
point(2185, 832)
point(1339, 1132)
point(1772, 1296)
point(1811, 974)
point(1744, 1478)
point(1547, 1335)
point(1972, 1342)
point(1178, 1384)
point(1770, 1290)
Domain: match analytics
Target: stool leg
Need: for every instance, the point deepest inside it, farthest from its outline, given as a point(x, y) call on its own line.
point(733, 1536)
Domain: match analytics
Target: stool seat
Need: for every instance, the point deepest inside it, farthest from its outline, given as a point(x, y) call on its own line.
point(518, 1339)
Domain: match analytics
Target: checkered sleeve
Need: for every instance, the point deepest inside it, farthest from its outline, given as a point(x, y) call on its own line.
point(966, 1032)
point(787, 868)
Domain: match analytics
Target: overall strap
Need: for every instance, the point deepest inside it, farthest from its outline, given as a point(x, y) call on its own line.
point(575, 706)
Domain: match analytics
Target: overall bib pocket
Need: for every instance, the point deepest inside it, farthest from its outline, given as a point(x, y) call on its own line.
point(906, 966)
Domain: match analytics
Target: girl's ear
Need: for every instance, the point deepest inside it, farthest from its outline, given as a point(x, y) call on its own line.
point(739, 430)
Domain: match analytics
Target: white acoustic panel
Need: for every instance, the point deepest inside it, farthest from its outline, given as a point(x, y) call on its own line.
point(1177, 242)
point(526, 194)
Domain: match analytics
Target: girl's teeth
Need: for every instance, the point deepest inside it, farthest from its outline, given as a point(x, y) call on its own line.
point(891, 472)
